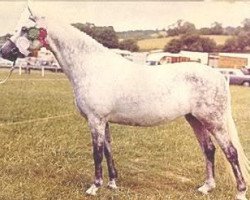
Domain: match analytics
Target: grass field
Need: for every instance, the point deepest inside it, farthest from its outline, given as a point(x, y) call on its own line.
point(51, 158)
point(159, 43)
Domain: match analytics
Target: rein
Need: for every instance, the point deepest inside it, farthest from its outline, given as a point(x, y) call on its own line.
point(8, 76)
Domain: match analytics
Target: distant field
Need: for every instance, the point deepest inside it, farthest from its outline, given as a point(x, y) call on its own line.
point(154, 43)
point(219, 39)
point(47, 157)
point(159, 43)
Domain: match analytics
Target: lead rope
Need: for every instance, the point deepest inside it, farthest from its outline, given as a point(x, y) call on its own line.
point(10, 72)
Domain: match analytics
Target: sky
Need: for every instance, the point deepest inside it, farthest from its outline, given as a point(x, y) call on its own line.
point(131, 15)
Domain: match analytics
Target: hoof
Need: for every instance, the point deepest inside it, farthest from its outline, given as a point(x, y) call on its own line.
point(203, 190)
point(92, 190)
point(112, 185)
point(206, 188)
point(241, 196)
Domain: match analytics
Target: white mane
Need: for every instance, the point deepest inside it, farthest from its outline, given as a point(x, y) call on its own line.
point(72, 36)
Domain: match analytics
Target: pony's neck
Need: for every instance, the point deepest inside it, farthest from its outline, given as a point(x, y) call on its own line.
point(73, 49)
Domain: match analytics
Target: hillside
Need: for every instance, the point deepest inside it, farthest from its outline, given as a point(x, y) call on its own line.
point(137, 34)
point(159, 43)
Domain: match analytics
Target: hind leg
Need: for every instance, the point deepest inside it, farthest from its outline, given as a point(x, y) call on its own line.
point(208, 149)
point(221, 135)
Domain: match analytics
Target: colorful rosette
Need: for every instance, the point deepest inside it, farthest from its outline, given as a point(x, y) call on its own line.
point(23, 44)
point(42, 33)
point(34, 53)
point(44, 43)
point(36, 44)
point(37, 37)
point(33, 33)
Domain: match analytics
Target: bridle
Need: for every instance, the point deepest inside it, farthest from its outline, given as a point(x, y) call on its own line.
point(15, 52)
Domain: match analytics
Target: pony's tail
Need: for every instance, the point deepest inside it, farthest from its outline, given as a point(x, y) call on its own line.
point(243, 160)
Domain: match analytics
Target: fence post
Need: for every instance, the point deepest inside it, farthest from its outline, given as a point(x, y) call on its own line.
point(42, 71)
point(20, 69)
point(228, 79)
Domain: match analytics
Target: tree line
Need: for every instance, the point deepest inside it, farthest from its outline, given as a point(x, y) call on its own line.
point(107, 36)
point(192, 39)
point(188, 37)
point(184, 27)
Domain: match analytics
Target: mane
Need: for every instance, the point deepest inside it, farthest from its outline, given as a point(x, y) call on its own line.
point(72, 36)
point(77, 52)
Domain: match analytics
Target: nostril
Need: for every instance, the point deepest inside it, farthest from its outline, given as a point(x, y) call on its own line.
point(1, 53)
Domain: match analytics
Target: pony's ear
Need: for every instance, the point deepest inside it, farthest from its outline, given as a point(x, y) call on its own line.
point(31, 13)
point(38, 19)
point(32, 16)
point(30, 9)
point(25, 19)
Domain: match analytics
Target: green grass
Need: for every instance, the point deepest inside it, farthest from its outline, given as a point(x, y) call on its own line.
point(52, 159)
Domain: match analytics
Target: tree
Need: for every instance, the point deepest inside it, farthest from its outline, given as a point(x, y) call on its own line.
point(229, 30)
point(243, 40)
point(104, 35)
point(240, 43)
point(216, 29)
point(172, 32)
point(191, 42)
point(173, 46)
point(129, 45)
point(181, 27)
point(207, 44)
point(246, 24)
point(198, 43)
point(187, 28)
point(231, 45)
point(205, 31)
point(179, 22)
point(219, 48)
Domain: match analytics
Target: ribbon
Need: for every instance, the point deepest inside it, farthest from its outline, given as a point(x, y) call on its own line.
point(36, 44)
point(23, 44)
point(33, 33)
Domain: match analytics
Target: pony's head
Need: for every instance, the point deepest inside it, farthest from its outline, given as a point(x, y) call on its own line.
point(29, 37)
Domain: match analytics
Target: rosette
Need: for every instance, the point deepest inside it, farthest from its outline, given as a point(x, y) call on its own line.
point(23, 44)
point(33, 33)
point(42, 33)
point(36, 44)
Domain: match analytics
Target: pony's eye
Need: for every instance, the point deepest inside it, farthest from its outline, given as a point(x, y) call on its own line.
point(24, 29)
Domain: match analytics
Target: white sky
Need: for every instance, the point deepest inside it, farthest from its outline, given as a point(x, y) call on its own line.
point(130, 15)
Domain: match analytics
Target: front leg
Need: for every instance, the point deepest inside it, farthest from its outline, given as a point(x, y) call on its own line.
point(98, 136)
point(110, 162)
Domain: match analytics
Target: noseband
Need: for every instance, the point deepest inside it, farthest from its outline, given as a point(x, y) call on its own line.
point(14, 52)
